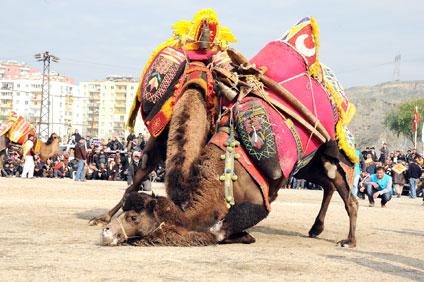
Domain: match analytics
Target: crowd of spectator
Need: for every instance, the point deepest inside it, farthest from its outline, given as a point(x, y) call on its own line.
point(381, 174)
point(88, 159)
point(403, 172)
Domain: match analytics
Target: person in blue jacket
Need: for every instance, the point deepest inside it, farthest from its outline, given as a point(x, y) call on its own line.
point(379, 185)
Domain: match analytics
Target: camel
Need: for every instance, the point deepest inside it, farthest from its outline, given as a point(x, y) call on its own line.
point(48, 149)
point(194, 170)
point(196, 196)
point(45, 150)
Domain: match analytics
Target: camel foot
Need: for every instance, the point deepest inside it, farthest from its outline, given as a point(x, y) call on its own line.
point(239, 238)
point(315, 230)
point(100, 220)
point(348, 243)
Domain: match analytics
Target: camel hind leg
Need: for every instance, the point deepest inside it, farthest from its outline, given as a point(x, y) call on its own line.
point(314, 173)
point(327, 172)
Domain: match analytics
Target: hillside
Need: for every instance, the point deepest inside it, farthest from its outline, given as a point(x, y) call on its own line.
point(372, 103)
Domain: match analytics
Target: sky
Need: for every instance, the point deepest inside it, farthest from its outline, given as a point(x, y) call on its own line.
point(96, 38)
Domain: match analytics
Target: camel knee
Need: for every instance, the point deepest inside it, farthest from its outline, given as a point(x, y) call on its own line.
point(239, 218)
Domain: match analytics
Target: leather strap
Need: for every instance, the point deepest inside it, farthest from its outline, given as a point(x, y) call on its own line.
point(219, 139)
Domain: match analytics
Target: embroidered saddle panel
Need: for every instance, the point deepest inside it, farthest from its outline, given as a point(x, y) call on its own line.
point(159, 81)
point(256, 135)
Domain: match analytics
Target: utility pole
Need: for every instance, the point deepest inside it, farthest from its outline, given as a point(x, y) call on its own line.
point(44, 121)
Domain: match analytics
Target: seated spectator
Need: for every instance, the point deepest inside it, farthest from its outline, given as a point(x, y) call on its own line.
point(379, 185)
point(58, 171)
point(102, 173)
point(92, 171)
point(101, 158)
point(113, 170)
point(38, 167)
point(370, 165)
point(48, 170)
point(115, 145)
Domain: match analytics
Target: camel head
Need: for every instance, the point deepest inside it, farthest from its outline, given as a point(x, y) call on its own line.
point(54, 138)
point(138, 220)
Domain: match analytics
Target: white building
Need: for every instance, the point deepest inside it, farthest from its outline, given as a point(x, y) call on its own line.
point(109, 102)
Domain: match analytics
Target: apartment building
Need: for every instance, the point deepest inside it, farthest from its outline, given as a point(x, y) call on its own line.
point(109, 102)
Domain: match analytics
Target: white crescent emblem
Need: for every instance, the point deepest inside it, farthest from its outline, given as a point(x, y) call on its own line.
point(300, 45)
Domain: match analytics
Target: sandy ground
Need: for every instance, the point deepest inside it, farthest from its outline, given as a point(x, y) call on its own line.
point(44, 236)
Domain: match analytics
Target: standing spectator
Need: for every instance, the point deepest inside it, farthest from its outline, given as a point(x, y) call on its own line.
point(141, 141)
point(413, 173)
point(76, 137)
point(28, 155)
point(133, 166)
point(130, 141)
point(373, 154)
point(357, 172)
point(80, 155)
point(384, 153)
point(399, 178)
point(379, 185)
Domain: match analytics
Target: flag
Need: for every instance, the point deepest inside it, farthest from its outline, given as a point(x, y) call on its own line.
point(416, 119)
point(303, 37)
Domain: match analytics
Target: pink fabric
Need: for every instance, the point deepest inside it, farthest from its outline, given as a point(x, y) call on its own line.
point(284, 63)
point(286, 145)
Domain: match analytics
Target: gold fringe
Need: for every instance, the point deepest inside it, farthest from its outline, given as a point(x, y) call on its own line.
point(315, 70)
point(344, 145)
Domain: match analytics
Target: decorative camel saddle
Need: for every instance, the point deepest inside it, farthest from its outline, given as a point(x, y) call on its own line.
point(17, 130)
point(281, 105)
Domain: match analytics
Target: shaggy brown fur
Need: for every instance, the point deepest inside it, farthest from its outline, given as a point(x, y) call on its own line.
point(186, 138)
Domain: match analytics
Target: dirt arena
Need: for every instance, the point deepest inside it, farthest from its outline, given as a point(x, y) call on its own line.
point(44, 236)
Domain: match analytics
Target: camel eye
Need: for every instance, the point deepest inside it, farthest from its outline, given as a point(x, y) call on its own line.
point(133, 218)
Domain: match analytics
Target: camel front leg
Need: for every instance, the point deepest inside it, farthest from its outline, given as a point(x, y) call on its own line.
point(239, 218)
point(171, 235)
point(149, 162)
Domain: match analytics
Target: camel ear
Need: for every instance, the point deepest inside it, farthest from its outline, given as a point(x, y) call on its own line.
point(151, 206)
